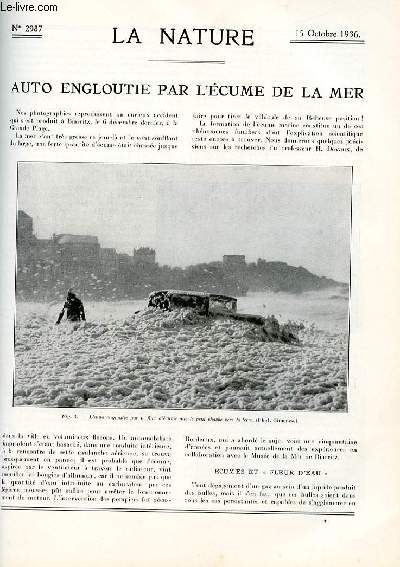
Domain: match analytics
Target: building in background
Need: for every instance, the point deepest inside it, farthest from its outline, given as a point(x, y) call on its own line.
point(234, 262)
point(108, 260)
point(78, 251)
point(144, 257)
point(25, 228)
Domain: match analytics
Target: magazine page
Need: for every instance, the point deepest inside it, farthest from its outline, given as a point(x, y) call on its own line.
point(199, 247)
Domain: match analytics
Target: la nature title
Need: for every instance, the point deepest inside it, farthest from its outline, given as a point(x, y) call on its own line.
point(197, 36)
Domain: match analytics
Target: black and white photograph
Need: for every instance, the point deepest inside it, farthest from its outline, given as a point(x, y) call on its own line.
point(179, 286)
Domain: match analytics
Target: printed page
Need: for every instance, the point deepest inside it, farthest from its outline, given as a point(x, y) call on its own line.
point(198, 299)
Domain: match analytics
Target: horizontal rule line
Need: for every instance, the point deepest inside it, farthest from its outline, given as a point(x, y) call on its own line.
point(187, 61)
point(358, 41)
point(20, 36)
point(177, 510)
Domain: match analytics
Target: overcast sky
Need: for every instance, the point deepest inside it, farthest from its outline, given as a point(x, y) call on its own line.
point(197, 213)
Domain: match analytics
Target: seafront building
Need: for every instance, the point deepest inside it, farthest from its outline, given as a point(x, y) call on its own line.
point(47, 267)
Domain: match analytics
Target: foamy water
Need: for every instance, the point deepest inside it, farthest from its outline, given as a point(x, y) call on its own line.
point(157, 359)
point(328, 309)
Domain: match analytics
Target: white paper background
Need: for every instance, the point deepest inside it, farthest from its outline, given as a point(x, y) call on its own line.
point(69, 53)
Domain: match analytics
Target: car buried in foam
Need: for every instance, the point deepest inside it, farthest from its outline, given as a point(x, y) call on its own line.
point(220, 305)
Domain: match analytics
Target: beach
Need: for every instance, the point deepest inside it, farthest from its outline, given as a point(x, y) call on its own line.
point(129, 356)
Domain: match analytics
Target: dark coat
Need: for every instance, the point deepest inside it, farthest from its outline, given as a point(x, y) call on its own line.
point(75, 310)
